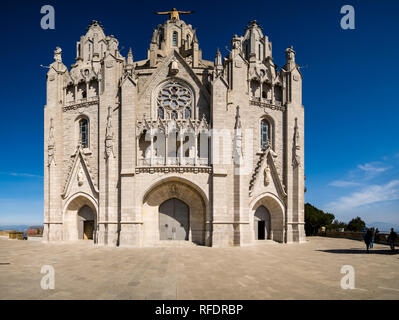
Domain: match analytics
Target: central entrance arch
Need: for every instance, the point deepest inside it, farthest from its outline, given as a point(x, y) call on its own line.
point(178, 203)
point(174, 220)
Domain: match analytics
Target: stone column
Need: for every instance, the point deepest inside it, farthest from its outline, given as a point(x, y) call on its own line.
point(195, 148)
point(166, 148)
point(181, 148)
point(152, 148)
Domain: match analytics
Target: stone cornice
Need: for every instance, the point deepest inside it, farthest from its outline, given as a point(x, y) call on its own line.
point(84, 104)
point(266, 105)
point(176, 169)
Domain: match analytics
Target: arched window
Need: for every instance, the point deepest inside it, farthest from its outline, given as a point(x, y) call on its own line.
point(174, 39)
point(264, 94)
point(173, 114)
point(264, 134)
point(160, 39)
point(187, 113)
point(188, 41)
point(161, 113)
point(278, 95)
point(84, 133)
point(255, 86)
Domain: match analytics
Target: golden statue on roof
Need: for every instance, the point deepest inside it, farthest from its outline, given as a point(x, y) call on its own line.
point(174, 14)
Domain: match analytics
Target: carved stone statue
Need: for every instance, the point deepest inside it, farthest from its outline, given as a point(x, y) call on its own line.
point(58, 54)
point(80, 176)
point(51, 143)
point(290, 54)
point(174, 67)
point(109, 136)
point(267, 175)
point(236, 42)
point(237, 138)
point(174, 14)
point(296, 160)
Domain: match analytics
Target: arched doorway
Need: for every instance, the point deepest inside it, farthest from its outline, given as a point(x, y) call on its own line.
point(178, 203)
point(174, 220)
point(262, 223)
point(268, 216)
point(80, 219)
point(85, 223)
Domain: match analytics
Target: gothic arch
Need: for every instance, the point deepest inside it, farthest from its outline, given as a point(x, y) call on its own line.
point(277, 214)
point(269, 119)
point(70, 214)
point(181, 189)
point(77, 121)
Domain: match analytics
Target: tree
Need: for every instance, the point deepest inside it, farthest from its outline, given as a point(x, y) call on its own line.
point(315, 219)
point(335, 225)
point(356, 224)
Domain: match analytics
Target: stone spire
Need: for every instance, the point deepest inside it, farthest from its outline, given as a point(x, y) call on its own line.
point(130, 57)
point(218, 58)
point(129, 63)
point(218, 62)
point(195, 38)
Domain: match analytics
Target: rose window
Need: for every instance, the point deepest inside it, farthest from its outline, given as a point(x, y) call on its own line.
point(174, 97)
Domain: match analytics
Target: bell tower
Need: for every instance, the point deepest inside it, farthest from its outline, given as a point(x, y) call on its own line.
point(174, 34)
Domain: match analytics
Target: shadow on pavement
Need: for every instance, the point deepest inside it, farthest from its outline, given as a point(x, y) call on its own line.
point(361, 251)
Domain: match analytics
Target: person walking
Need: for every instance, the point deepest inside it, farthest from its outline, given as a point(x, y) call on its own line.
point(372, 237)
point(391, 239)
point(376, 235)
point(364, 231)
point(367, 239)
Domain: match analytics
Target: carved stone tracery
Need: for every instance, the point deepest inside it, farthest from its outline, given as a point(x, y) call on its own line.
point(51, 144)
point(175, 98)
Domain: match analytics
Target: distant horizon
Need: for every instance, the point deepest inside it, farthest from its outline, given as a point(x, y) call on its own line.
point(349, 94)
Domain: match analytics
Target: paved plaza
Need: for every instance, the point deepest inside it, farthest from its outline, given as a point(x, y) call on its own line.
point(265, 271)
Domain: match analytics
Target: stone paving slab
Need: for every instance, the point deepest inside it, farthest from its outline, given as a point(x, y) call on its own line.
point(264, 271)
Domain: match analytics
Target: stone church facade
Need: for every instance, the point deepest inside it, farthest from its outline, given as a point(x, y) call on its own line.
point(174, 147)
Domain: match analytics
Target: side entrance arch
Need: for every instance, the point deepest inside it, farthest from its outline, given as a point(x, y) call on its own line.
point(268, 218)
point(174, 220)
point(85, 223)
point(80, 219)
point(262, 223)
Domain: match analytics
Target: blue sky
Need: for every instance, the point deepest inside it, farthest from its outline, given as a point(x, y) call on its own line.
point(349, 89)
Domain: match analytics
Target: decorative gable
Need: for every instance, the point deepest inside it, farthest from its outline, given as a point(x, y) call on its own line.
point(265, 177)
point(79, 178)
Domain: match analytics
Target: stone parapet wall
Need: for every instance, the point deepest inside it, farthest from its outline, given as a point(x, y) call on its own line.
point(16, 235)
point(381, 238)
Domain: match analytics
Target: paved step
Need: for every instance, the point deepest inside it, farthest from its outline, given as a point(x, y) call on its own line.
point(174, 243)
